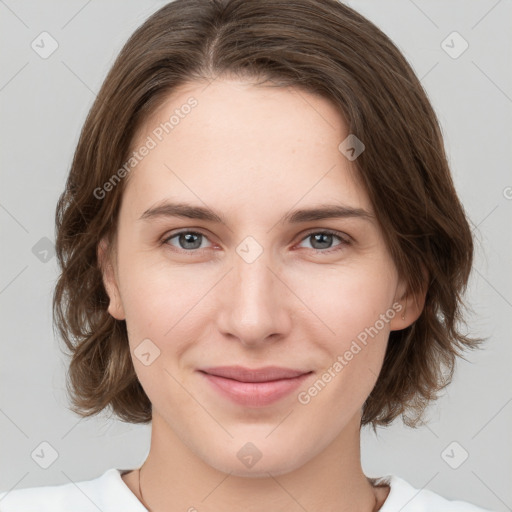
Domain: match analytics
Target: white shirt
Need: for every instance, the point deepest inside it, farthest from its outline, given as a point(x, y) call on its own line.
point(109, 493)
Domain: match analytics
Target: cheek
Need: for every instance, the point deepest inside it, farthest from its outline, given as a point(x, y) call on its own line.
point(157, 296)
point(350, 299)
point(351, 357)
point(159, 306)
point(355, 306)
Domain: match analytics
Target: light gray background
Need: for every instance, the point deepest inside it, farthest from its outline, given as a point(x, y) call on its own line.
point(43, 106)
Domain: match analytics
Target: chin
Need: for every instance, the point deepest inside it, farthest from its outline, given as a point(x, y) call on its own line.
point(249, 461)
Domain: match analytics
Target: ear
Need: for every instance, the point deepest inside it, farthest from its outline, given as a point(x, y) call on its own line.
point(411, 304)
point(115, 307)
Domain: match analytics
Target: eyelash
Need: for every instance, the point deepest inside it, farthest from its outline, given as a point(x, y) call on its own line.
point(344, 240)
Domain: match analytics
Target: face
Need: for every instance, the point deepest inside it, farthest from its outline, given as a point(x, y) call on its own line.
point(261, 285)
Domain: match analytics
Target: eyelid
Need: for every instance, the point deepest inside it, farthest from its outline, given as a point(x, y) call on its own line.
point(345, 239)
point(344, 236)
point(172, 234)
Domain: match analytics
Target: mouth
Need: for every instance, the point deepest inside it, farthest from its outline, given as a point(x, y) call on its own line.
point(254, 387)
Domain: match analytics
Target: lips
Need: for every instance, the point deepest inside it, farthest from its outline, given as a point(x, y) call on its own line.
point(254, 387)
point(266, 374)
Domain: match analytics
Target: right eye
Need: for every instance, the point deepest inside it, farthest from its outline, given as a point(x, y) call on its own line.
point(187, 241)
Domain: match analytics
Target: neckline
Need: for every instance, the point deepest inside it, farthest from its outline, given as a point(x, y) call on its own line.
point(389, 480)
point(117, 474)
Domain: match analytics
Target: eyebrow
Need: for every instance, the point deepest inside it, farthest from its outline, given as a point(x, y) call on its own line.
point(328, 211)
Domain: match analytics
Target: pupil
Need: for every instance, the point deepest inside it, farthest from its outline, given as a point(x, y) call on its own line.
point(188, 239)
point(318, 238)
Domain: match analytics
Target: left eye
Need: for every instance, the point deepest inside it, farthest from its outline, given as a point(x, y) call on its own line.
point(321, 239)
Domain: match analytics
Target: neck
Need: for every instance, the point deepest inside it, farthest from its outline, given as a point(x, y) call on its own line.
point(175, 479)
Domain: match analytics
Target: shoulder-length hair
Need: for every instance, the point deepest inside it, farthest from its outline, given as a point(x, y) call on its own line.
point(322, 47)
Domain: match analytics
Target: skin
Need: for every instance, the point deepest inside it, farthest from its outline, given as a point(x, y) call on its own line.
point(252, 153)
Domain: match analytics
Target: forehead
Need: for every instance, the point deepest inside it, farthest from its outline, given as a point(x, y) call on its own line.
point(250, 149)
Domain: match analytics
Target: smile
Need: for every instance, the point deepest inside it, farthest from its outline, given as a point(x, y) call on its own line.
point(254, 388)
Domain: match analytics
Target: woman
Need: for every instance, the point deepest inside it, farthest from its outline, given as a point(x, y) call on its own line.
point(262, 251)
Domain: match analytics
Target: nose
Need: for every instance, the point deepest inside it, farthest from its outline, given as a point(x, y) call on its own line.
point(254, 303)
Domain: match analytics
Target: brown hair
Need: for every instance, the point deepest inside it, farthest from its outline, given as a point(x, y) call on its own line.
point(322, 47)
